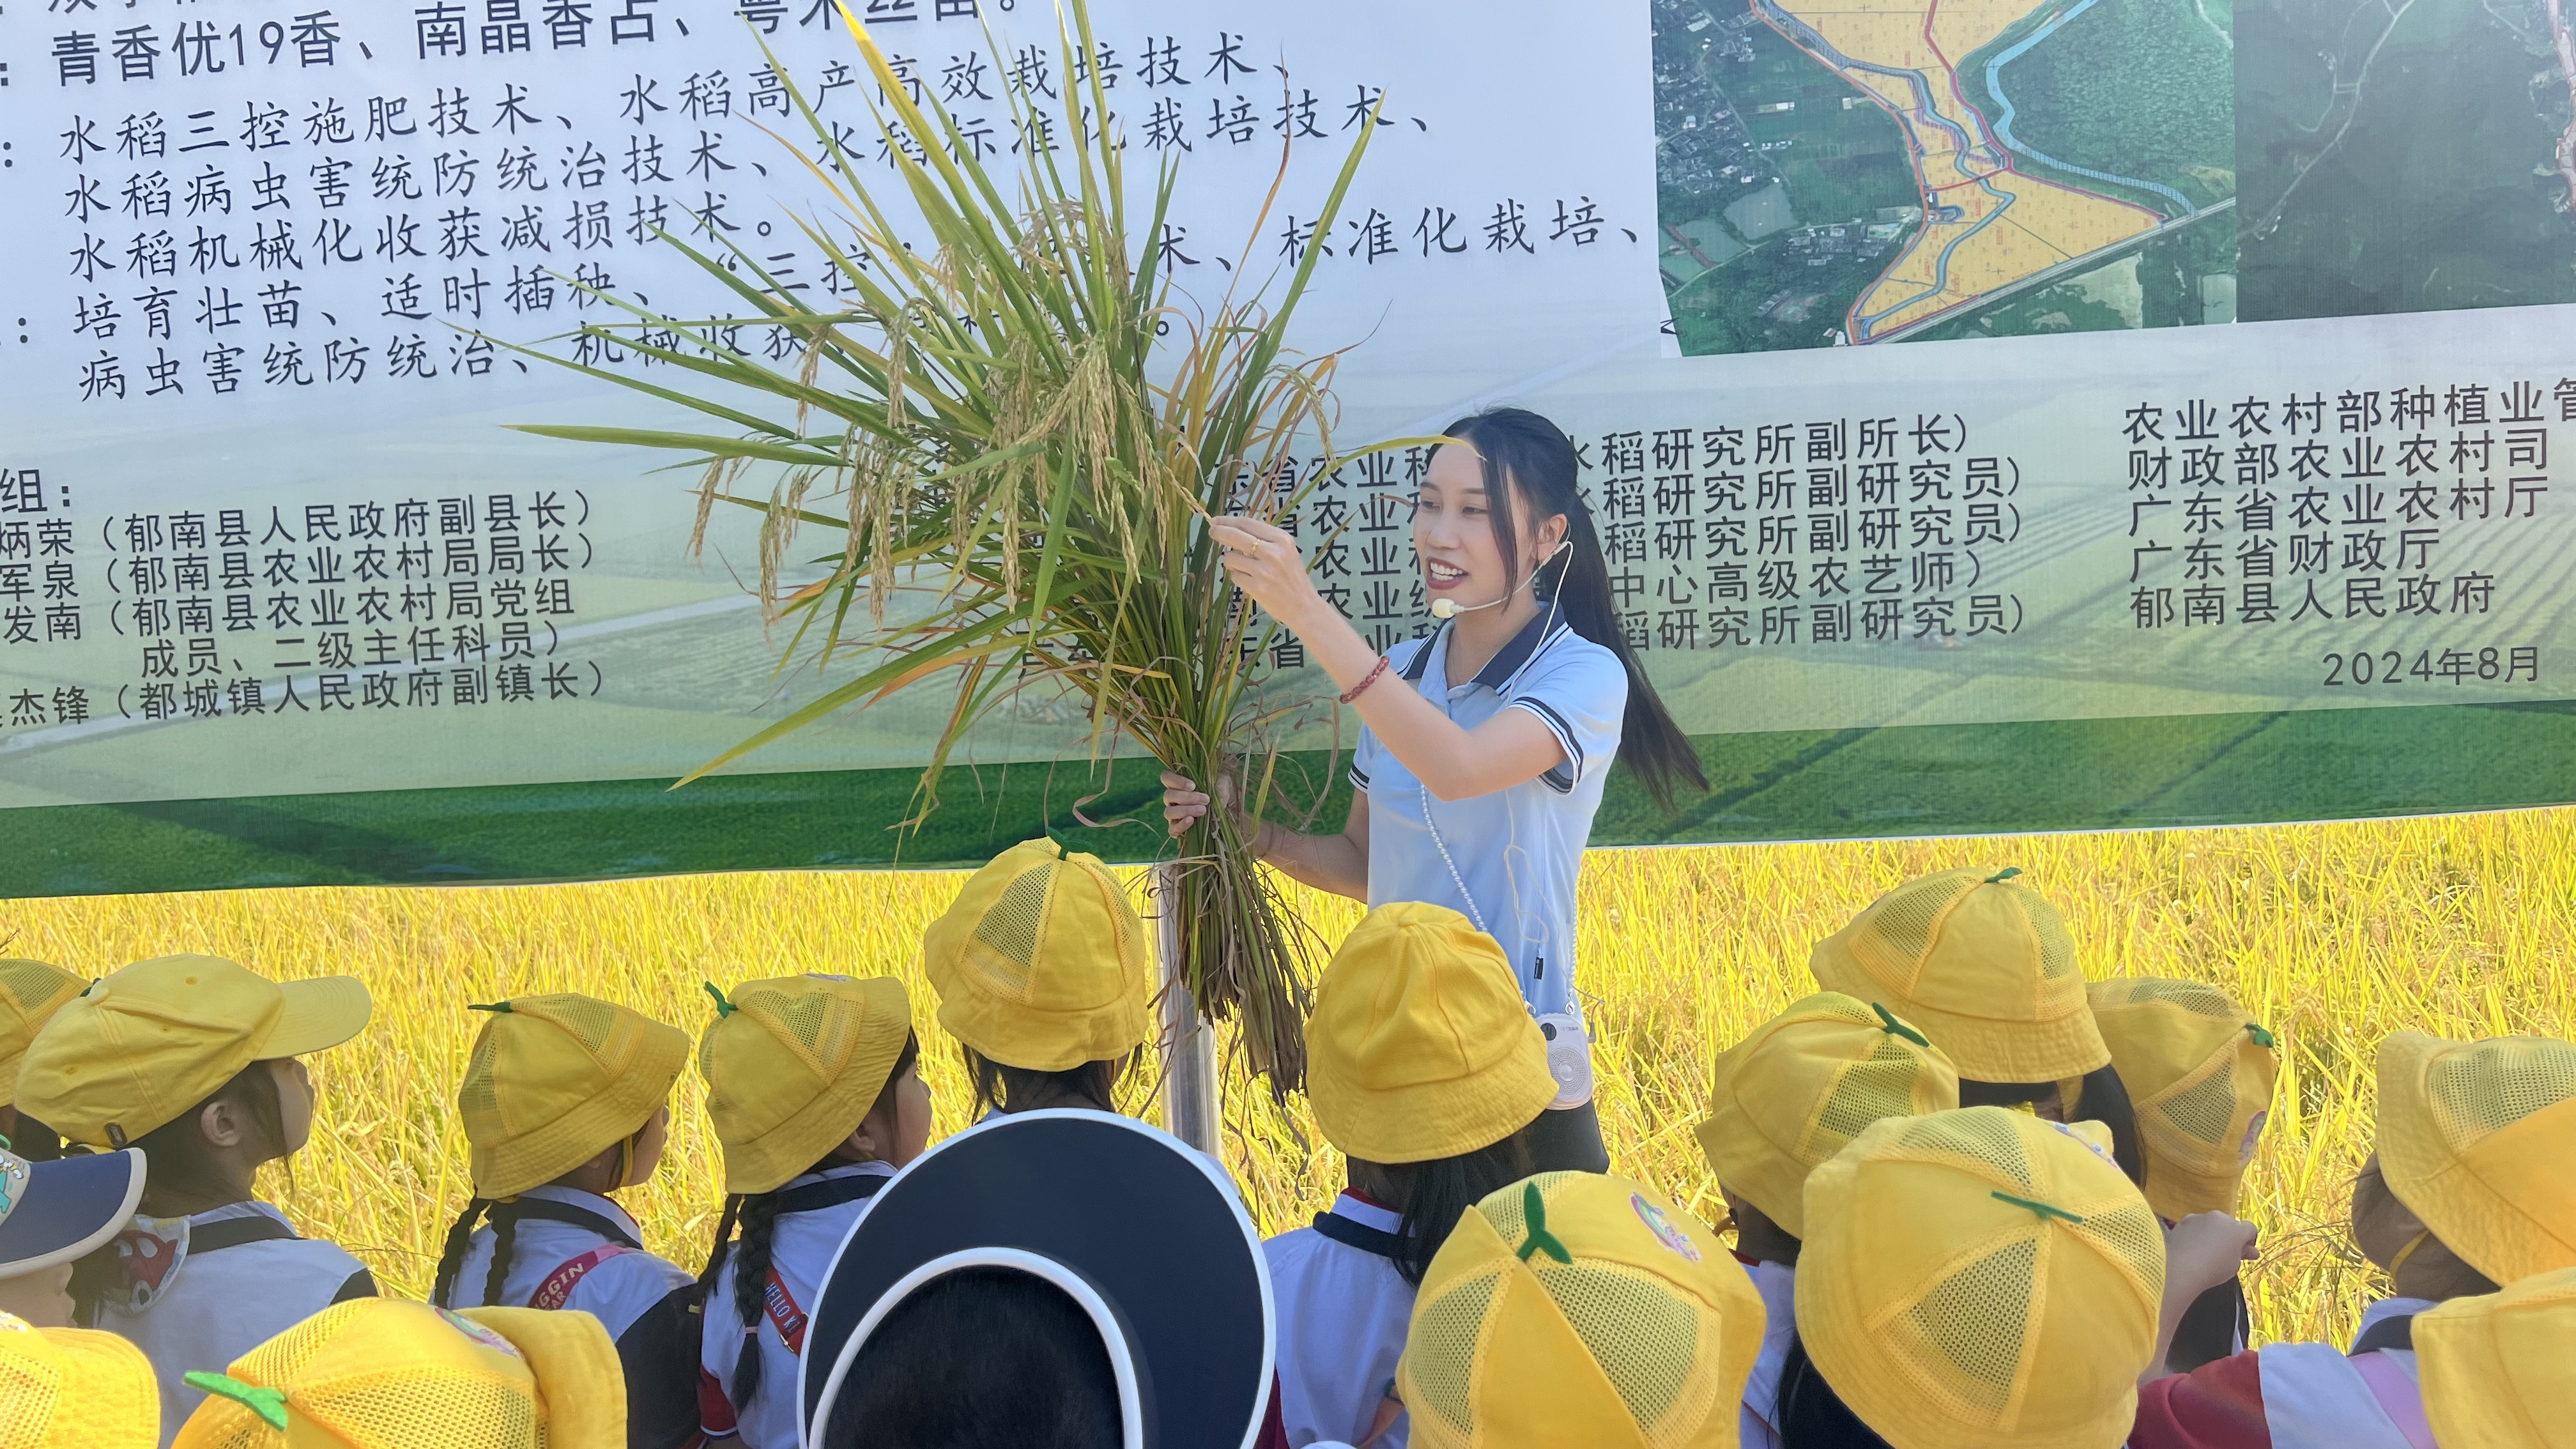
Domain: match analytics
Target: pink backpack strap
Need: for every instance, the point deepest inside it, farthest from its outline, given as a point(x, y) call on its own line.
point(2399, 1396)
point(558, 1285)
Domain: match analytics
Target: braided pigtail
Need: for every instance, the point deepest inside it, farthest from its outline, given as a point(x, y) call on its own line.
point(505, 1240)
point(759, 1217)
point(451, 1258)
point(716, 1255)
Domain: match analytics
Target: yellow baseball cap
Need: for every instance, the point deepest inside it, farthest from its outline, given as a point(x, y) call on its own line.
point(2499, 1369)
point(1419, 1045)
point(2199, 1069)
point(2478, 1139)
point(556, 1079)
point(1803, 1085)
point(792, 1064)
point(146, 1043)
point(1041, 963)
point(1574, 1308)
point(74, 1388)
point(378, 1373)
point(30, 993)
point(1981, 1279)
point(1982, 965)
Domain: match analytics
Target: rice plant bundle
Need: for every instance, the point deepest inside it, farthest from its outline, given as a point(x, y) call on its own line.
point(1016, 425)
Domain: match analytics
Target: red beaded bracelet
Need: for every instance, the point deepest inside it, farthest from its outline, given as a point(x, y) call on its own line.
point(1355, 690)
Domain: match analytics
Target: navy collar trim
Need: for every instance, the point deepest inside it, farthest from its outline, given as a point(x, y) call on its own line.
point(1507, 662)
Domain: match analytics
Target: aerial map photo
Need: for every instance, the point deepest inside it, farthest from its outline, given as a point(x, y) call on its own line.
point(2406, 156)
point(1842, 172)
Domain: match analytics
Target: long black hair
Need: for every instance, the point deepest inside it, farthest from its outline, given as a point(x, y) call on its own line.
point(1808, 1413)
point(2105, 1099)
point(1439, 1192)
point(978, 1357)
point(1000, 1087)
point(1527, 459)
point(757, 1215)
point(181, 1176)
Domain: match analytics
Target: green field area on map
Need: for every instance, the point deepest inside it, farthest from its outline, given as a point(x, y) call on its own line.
point(2137, 93)
point(2400, 157)
point(2182, 278)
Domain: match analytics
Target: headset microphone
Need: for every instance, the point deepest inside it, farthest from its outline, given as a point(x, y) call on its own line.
point(1451, 608)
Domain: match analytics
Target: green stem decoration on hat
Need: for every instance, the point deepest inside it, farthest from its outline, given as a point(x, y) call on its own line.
point(2041, 1208)
point(2262, 1038)
point(1889, 1024)
point(1540, 1240)
point(724, 1008)
point(499, 1007)
point(269, 1404)
point(2005, 874)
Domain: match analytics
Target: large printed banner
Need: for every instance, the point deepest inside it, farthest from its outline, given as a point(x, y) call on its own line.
point(1967, 457)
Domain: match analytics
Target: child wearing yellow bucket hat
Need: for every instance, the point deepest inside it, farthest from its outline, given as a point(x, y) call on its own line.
point(30, 993)
point(566, 1101)
point(1574, 1308)
point(193, 1060)
point(815, 1091)
point(2473, 1185)
point(1787, 1097)
point(1984, 966)
point(383, 1374)
point(74, 1388)
point(1044, 978)
point(1426, 1070)
point(2499, 1369)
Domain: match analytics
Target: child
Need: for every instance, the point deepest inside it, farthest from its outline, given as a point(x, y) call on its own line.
point(2470, 1188)
point(2497, 1367)
point(1974, 1279)
point(30, 993)
point(565, 1101)
point(2203, 1072)
point(383, 1374)
point(72, 1388)
point(1044, 979)
point(1425, 1070)
point(52, 1214)
point(1986, 969)
point(1788, 1097)
point(814, 1086)
point(1575, 1309)
point(193, 1060)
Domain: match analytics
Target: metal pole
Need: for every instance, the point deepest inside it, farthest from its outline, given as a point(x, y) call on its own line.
point(1191, 1106)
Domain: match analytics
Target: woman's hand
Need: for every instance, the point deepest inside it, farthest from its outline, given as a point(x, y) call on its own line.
point(1184, 803)
point(2201, 1252)
point(1266, 564)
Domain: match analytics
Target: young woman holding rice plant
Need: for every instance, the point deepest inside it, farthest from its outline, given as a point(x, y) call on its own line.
point(1484, 746)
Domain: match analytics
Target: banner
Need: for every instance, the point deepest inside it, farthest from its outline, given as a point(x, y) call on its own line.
point(1966, 456)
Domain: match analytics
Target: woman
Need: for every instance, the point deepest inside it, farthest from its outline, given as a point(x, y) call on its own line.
point(1485, 746)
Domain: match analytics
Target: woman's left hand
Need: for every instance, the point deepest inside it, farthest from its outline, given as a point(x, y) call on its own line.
point(1266, 563)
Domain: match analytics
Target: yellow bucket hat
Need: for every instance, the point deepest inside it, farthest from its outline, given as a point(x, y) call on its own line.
point(1041, 964)
point(2478, 1139)
point(146, 1043)
point(1419, 1046)
point(74, 1388)
point(1803, 1085)
point(1982, 1279)
point(2499, 1370)
point(30, 993)
point(792, 1064)
point(380, 1373)
point(1983, 965)
point(1572, 1308)
point(555, 1079)
point(2199, 1069)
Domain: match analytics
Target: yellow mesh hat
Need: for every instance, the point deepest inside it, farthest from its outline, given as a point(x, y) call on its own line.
point(1981, 1278)
point(1042, 964)
point(2478, 1139)
point(30, 993)
point(792, 1065)
point(380, 1373)
point(555, 1080)
point(1803, 1085)
point(1419, 1045)
point(1982, 964)
point(72, 1388)
point(2499, 1370)
point(2199, 1069)
point(145, 1044)
point(1573, 1308)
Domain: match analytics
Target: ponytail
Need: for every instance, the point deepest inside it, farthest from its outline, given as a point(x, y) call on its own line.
point(1529, 460)
point(505, 1242)
point(751, 1259)
point(451, 1257)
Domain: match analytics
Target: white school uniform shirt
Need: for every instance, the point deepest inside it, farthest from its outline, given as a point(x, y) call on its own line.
point(1757, 1425)
point(1342, 1315)
point(1517, 850)
point(2318, 1396)
point(213, 1307)
point(801, 1252)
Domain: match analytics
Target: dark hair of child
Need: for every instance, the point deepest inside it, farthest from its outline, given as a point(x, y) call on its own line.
point(757, 1214)
point(980, 1357)
point(1434, 1195)
point(184, 1176)
point(1810, 1415)
point(1000, 1088)
point(2105, 1099)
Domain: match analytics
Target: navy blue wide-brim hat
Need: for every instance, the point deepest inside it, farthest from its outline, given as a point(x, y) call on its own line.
point(1146, 1234)
point(53, 1212)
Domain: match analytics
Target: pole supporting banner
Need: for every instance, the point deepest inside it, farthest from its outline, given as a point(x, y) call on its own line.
point(1192, 1105)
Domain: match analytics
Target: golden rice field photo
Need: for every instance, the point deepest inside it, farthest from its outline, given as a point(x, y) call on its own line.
point(2333, 934)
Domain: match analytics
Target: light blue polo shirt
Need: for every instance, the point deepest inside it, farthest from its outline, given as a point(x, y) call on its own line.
point(1519, 849)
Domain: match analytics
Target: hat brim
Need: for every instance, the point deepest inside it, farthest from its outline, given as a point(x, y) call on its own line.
point(1063, 1186)
point(70, 1208)
point(321, 1012)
